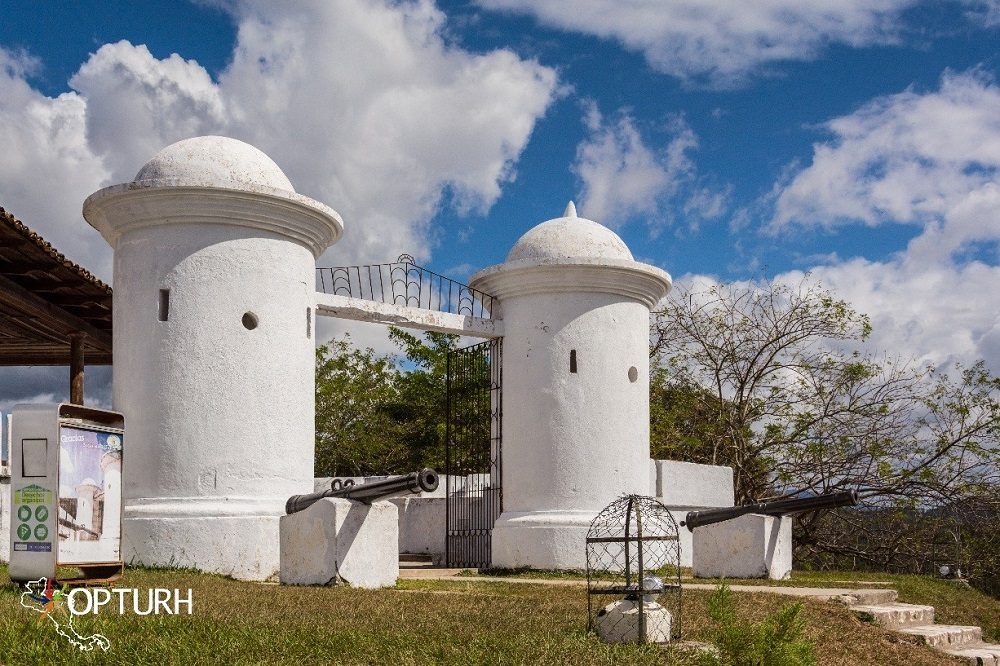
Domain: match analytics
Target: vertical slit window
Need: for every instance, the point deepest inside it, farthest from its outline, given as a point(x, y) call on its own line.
point(309, 322)
point(572, 360)
point(164, 309)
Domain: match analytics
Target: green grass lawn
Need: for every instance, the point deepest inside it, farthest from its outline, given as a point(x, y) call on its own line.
point(955, 602)
point(418, 622)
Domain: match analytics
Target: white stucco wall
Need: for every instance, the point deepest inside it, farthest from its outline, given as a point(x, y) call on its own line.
point(572, 441)
point(5, 519)
point(220, 418)
point(684, 486)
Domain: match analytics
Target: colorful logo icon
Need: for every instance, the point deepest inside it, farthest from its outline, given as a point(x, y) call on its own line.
point(45, 600)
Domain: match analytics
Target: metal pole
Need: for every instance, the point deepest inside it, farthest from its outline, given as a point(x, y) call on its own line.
point(76, 363)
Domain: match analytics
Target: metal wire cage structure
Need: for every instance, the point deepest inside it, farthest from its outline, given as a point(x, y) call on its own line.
point(633, 562)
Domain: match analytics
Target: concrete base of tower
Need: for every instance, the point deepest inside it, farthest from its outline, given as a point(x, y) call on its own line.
point(541, 539)
point(233, 536)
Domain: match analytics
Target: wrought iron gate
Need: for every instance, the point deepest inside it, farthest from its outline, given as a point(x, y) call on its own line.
point(472, 453)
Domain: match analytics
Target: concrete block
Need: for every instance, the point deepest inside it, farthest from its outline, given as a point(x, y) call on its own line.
point(422, 526)
point(751, 546)
point(685, 538)
point(684, 484)
point(341, 541)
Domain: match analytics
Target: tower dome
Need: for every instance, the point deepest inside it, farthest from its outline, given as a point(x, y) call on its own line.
point(213, 161)
point(569, 237)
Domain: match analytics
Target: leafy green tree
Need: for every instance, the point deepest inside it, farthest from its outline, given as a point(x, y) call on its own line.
point(356, 434)
point(381, 415)
point(420, 409)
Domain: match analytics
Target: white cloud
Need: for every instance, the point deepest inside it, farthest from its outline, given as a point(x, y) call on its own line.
point(137, 104)
point(720, 43)
point(623, 178)
point(983, 12)
point(925, 159)
point(930, 160)
point(47, 167)
point(361, 102)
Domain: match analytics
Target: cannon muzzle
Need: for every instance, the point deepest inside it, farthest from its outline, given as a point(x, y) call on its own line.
point(782, 507)
point(425, 480)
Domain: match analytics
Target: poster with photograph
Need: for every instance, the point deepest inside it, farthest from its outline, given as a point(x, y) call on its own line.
point(90, 496)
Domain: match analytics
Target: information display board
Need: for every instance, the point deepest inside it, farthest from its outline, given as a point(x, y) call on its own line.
point(66, 509)
point(90, 496)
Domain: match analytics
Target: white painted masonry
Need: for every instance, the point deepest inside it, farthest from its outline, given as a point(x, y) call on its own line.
point(403, 316)
point(751, 546)
point(214, 272)
point(341, 541)
point(684, 486)
point(5, 500)
point(571, 298)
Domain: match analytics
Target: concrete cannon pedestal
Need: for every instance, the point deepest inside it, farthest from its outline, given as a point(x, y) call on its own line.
point(751, 546)
point(341, 541)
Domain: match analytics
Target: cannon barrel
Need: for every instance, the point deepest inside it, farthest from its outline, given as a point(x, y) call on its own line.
point(782, 507)
point(425, 480)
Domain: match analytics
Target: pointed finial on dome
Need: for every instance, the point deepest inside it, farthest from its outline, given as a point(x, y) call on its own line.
point(570, 210)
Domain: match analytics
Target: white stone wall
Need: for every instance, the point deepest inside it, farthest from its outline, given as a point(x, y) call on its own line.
point(5, 501)
point(422, 526)
point(214, 409)
point(684, 486)
point(574, 441)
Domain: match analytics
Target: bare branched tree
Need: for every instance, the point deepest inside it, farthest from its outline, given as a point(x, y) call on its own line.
point(771, 380)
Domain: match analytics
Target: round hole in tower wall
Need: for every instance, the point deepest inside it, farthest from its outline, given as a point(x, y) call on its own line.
point(633, 374)
point(250, 321)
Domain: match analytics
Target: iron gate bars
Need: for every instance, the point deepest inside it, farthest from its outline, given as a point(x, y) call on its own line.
point(473, 453)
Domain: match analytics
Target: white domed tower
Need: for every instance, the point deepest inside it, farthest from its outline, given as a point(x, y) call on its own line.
point(214, 277)
point(575, 308)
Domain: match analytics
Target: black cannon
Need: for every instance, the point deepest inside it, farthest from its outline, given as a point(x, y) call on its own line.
point(782, 507)
point(425, 480)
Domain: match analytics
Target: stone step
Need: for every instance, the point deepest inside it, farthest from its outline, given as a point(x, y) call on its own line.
point(415, 557)
point(872, 597)
point(895, 615)
point(982, 654)
point(944, 635)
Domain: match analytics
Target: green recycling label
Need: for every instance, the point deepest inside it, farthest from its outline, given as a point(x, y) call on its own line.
point(23, 532)
point(33, 494)
point(41, 531)
point(42, 513)
point(24, 513)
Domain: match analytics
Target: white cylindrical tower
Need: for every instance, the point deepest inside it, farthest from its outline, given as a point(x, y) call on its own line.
point(111, 467)
point(86, 492)
point(575, 309)
point(214, 278)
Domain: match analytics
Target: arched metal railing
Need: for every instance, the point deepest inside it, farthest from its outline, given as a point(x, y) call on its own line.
point(402, 282)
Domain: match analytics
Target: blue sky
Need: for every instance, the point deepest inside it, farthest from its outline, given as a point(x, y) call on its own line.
point(856, 140)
